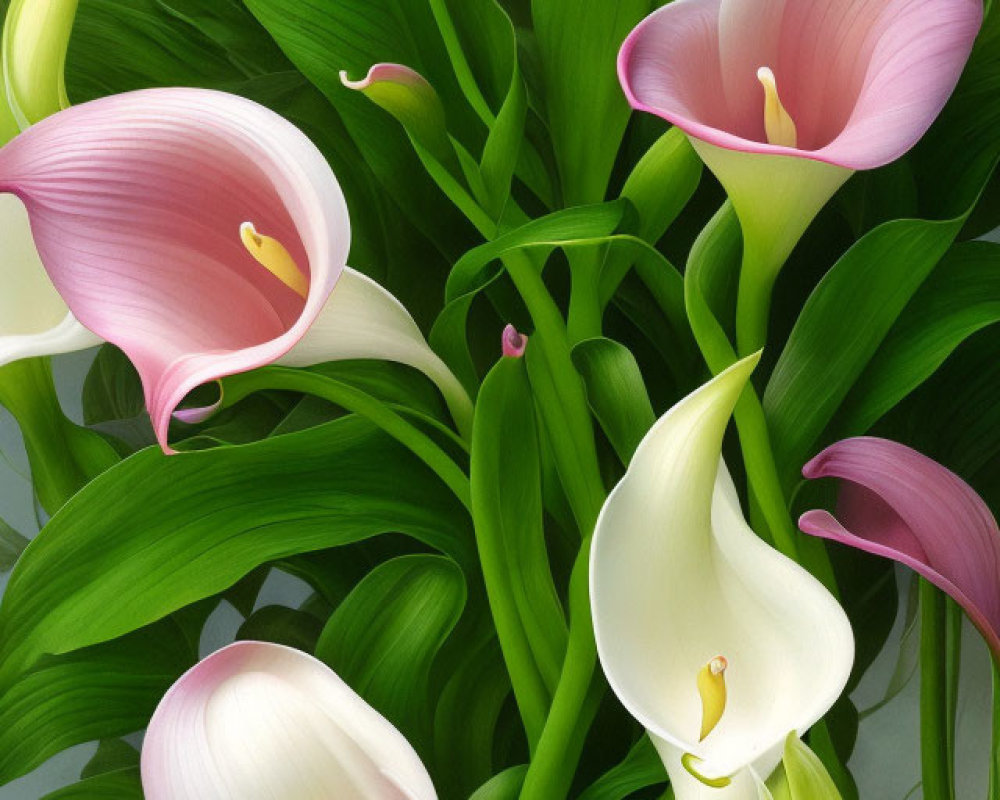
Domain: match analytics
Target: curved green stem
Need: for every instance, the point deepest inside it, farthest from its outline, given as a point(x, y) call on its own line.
point(63, 455)
point(753, 304)
point(716, 249)
point(236, 387)
point(935, 759)
point(562, 402)
point(552, 768)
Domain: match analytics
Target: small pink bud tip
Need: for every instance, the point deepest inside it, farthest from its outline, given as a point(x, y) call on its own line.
point(512, 342)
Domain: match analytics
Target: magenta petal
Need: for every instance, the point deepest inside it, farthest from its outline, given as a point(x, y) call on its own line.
point(897, 503)
point(863, 81)
point(136, 202)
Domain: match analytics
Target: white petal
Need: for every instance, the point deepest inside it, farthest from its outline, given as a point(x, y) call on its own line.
point(361, 319)
point(259, 721)
point(34, 320)
point(678, 577)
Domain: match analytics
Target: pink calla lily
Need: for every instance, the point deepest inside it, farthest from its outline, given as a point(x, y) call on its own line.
point(136, 203)
point(260, 721)
point(862, 81)
point(898, 503)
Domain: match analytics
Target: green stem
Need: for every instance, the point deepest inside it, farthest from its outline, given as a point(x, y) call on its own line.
point(584, 318)
point(714, 249)
point(553, 766)
point(236, 387)
point(953, 666)
point(561, 395)
point(562, 402)
point(937, 781)
point(63, 456)
point(753, 302)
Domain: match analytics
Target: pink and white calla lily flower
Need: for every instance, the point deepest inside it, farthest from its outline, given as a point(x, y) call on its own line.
point(202, 234)
point(784, 99)
point(257, 721)
point(900, 504)
point(716, 642)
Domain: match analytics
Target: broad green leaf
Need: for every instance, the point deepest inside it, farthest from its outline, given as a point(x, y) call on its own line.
point(508, 515)
point(384, 637)
point(111, 755)
point(282, 625)
point(807, 777)
point(12, 544)
point(502, 149)
point(640, 769)
point(504, 785)
point(840, 328)
point(121, 45)
point(578, 41)
point(616, 393)
point(103, 691)
point(955, 158)
point(661, 184)
point(193, 524)
point(960, 297)
point(123, 784)
point(111, 390)
point(476, 690)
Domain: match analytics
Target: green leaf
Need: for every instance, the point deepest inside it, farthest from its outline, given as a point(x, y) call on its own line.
point(282, 625)
point(193, 524)
point(806, 775)
point(102, 691)
point(578, 42)
point(616, 393)
point(12, 544)
point(503, 148)
point(476, 270)
point(840, 328)
point(384, 637)
point(641, 768)
point(961, 296)
point(661, 184)
point(111, 755)
point(477, 689)
point(504, 785)
point(507, 510)
point(111, 390)
point(124, 784)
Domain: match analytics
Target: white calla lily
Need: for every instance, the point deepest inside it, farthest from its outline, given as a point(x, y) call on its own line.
point(679, 579)
point(34, 320)
point(258, 721)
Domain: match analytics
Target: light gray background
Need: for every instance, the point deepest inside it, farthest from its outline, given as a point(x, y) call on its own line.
point(886, 761)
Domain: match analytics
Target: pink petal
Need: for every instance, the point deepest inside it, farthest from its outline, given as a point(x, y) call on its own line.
point(135, 203)
point(897, 503)
point(258, 721)
point(862, 80)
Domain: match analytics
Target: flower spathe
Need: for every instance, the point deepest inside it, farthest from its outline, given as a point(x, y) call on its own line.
point(784, 99)
point(900, 504)
point(678, 579)
point(258, 721)
point(136, 203)
point(861, 81)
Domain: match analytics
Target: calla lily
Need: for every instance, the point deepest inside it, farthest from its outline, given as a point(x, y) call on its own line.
point(898, 503)
point(714, 641)
point(203, 235)
point(783, 99)
point(257, 721)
